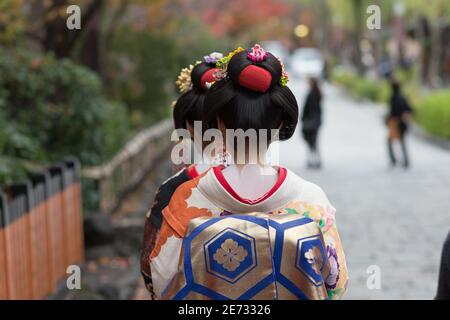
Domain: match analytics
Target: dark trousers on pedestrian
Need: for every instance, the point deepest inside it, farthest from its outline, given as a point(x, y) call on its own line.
point(404, 150)
point(310, 137)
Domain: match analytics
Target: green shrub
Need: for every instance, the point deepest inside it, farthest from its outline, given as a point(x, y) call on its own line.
point(344, 78)
point(359, 87)
point(143, 75)
point(55, 108)
point(366, 89)
point(144, 65)
point(10, 170)
point(433, 114)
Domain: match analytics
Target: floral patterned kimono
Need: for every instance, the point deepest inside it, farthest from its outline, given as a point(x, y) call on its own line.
point(213, 244)
point(154, 217)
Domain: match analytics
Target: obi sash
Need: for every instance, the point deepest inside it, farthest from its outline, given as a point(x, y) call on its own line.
point(251, 256)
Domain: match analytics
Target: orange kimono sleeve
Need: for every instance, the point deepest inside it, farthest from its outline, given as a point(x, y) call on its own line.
point(165, 255)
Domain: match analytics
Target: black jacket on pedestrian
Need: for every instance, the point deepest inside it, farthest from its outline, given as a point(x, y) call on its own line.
point(443, 292)
point(312, 112)
point(398, 107)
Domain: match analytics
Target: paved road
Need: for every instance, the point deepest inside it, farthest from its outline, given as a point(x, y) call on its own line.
point(394, 219)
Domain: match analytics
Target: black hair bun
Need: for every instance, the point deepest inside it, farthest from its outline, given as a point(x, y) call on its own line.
point(241, 108)
point(198, 72)
point(189, 107)
point(240, 61)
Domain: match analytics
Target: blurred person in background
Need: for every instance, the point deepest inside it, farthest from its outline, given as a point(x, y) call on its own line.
point(443, 291)
point(398, 120)
point(385, 67)
point(311, 121)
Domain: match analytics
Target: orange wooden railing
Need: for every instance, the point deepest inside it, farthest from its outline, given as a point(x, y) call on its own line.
point(41, 231)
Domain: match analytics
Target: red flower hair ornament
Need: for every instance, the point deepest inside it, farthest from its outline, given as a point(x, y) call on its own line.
point(257, 54)
point(254, 77)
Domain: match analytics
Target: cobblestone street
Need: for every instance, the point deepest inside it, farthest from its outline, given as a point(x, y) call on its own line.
point(395, 219)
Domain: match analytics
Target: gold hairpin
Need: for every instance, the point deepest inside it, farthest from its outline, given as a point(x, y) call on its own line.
point(184, 81)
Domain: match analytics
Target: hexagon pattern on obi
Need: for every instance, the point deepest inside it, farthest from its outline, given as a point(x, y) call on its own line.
point(230, 255)
point(311, 258)
point(252, 256)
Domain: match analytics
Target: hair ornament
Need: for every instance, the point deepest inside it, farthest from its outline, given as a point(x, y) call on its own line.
point(223, 63)
point(220, 74)
point(208, 78)
point(257, 54)
point(255, 78)
point(184, 81)
point(284, 75)
point(213, 57)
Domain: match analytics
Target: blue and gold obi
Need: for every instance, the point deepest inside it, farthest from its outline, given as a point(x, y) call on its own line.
point(252, 256)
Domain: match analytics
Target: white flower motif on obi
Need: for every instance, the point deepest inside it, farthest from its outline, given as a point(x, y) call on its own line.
point(230, 254)
point(311, 259)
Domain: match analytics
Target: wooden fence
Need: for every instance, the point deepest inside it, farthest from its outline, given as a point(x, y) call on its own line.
point(41, 218)
point(125, 171)
point(41, 231)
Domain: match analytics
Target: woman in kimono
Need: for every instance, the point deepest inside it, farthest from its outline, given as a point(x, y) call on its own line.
point(249, 230)
point(193, 83)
